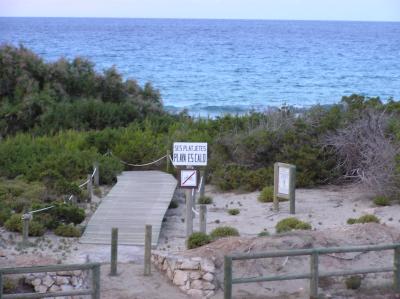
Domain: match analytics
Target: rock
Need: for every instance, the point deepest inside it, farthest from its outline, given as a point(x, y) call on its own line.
point(208, 286)
point(74, 281)
point(47, 281)
point(209, 294)
point(208, 277)
point(54, 288)
point(190, 265)
point(66, 288)
point(36, 282)
point(64, 273)
point(180, 277)
point(61, 280)
point(195, 275)
point(77, 272)
point(40, 289)
point(196, 284)
point(195, 293)
point(170, 274)
point(207, 266)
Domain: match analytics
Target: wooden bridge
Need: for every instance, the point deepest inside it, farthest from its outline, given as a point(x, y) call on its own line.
point(138, 198)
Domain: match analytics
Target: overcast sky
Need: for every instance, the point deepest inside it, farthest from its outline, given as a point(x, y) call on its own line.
point(365, 10)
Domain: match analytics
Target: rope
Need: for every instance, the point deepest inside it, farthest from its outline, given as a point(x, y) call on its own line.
point(40, 210)
point(172, 162)
point(94, 172)
point(194, 211)
point(143, 165)
point(83, 184)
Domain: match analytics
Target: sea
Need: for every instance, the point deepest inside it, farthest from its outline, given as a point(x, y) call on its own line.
point(214, 67)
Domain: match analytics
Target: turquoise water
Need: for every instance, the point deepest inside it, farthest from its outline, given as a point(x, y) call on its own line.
point(216, 66)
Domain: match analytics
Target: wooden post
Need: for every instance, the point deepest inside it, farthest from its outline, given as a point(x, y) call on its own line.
point(396, 273)
point(25, 228)
point(314, 276)
point(96, 282)
point(147, 250)
point(168, 153)
point(114, 251)
point(203, 218)
point(292, 189)
point(203, 183)
point(276, 177)
point(96, 178)
point(89, 187)
point(189, 216)
point(227, 277)
point(1, 286)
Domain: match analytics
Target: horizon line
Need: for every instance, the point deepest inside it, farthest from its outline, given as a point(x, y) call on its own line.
point(205, 19)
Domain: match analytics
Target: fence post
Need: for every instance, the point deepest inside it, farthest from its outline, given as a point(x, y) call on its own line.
point(292, 189)
point(25, 228)
point(1, 286)
point(96, 178)
point(147, 250)
point(96, 282)
point(276, 199)
point(89, 187)
point(227, 277)
point(168, 153)
point(189, 212)
point(203, 218)
point(396, 274)
point(203, 182)
point(314, 275)
point(114, 251)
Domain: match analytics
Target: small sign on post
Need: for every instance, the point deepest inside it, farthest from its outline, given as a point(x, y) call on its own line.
point(285, 185)
point(190, 154)
point(188, 178)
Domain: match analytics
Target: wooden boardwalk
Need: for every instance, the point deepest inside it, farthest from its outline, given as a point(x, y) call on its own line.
point(138, 198)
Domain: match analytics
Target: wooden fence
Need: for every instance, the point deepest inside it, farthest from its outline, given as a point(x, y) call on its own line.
point(314, 274)
point(94, 291)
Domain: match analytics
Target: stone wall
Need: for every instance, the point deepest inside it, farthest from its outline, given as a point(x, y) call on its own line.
point(194, 276)
point(58, 281)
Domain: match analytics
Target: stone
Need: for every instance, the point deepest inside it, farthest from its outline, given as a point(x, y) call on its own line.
point(195, 293)
point(209, 294)
point(54, 288)
point(66, 288)
point(40, 289)
point(47, 281)
point(208, 286)
point(61, 280)
point(180, 277)
point(64, 273)
point(208, 277)
point(170, 274)
point(189, 265)
point(165, 265)
point(207, 266)
point(36, 282)
point(74, 281)
point(196, 284)
point(77, 272)
point(195, 275)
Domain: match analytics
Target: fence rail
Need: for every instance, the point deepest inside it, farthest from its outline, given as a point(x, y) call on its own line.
point(94, 291)
point(314, 274)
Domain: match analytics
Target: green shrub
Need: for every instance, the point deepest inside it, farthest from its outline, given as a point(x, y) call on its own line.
point(353, 282)
point(363, 219)
point(351, 221)
point(5, 214)
point(36, 229)
point(205, 200)
point(264, 233)
point(68, 213)
point(223, 231)
point(173, 205)
point(233, 212)
point(291, 223)
point(14, 224)
point(69, 231)
point(198, 239)
point(382, 201)
point(266, 194)
point(9, 285)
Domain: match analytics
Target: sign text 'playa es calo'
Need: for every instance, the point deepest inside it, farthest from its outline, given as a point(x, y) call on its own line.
point(190, 153)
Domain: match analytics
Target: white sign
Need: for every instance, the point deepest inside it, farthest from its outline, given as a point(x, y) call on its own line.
point(283, 180)
point(188, 178)
point(190, 154)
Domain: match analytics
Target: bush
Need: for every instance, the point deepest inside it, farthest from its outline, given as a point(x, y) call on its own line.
point(36, 229)
point(69, 231)
point(353, 282)
point(205, 200)
point(382, 201)
point(264, 233)
point(68, 213)
point(223, 231)
point(173, 205)
point(9, 285)
point(267, 194)
point(5, 214)
point(233, 212)
point(14, 224)
point(198, 239)
point(363, 219)
point(291, 223)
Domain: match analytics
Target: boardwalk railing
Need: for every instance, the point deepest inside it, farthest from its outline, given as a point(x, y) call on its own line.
point(314, 274)
point(94, 291)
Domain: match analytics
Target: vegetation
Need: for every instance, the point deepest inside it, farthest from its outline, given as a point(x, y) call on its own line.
point(291, 223)
point(69, 231)
point(14, 224)
point(264, 233)
point(173, 205)
point(353, 282)
point(205, 200)
point(223, 231)
point(382, 201)
point(233, 212)
point(363, 219)
point(198, 239)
